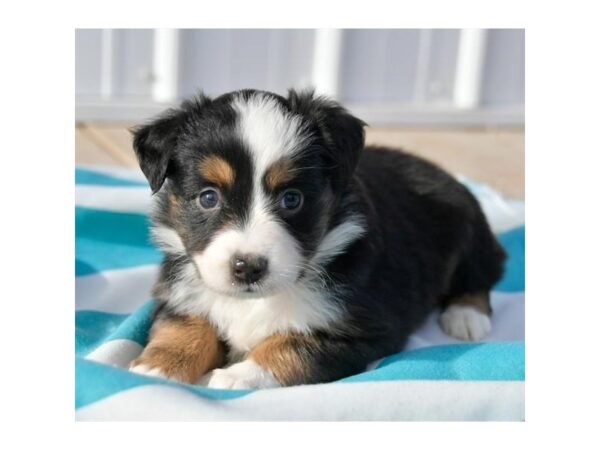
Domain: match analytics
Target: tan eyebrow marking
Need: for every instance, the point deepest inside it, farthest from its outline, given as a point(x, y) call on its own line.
point(278, 173)
point(216, 170)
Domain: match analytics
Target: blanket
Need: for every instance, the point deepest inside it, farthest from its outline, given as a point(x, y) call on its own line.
point(435, 378)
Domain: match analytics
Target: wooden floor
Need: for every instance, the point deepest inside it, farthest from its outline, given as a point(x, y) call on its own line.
point(495, 157)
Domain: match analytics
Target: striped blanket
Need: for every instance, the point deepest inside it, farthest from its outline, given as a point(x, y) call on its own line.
point(435, 378)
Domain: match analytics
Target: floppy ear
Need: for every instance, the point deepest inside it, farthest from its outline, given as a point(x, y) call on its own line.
point(154, 143)
point(343, 133)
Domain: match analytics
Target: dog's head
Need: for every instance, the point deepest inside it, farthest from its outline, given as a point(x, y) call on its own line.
point(249, 183)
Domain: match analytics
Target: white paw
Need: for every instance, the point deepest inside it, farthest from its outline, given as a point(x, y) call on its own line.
point(243, 375)
point(144, 369)
point(465, 323)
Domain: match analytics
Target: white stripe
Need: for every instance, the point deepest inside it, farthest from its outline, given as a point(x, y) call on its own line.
point(119, 353)
point(470, 63)
point(508, 323)
point(502, 215)
point(326, 61)
point(115, 291)
point(165, 67)
point(114, 198)
point(381, 400)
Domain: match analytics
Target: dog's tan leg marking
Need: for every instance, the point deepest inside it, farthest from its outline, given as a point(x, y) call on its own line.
point(182, 348)
point(467, 317)
point(282, 355)
point(277, 361)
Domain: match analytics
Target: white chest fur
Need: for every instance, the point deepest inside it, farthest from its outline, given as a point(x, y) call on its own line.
point(245, 322)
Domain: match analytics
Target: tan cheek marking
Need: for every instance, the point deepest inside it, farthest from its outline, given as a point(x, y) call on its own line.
point(216, 170)
point(479, 301)
point(279, 172)
point(174, 202)
point(282, 356)
point(174, 212)
point(174, 208)
point(183, 347)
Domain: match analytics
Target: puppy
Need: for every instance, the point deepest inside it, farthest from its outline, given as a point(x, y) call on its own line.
point(292, 256)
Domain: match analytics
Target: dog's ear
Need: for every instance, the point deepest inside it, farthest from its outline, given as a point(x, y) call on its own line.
point(154, 144)
point(343, 133)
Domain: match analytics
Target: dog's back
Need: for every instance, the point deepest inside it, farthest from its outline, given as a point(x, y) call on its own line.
point(433, 243)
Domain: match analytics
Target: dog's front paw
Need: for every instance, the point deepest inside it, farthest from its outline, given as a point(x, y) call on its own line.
point(144, 369)
point(163, 366)
point(465, 323)
point(244, 375)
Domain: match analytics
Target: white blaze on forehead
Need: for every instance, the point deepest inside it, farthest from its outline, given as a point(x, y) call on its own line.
point(269, 132)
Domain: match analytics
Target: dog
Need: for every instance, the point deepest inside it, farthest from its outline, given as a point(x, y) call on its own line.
point(295, 255)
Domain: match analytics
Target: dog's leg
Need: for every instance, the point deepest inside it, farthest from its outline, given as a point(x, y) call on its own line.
point(467, 317)
point(181, 348)
point(291, 359)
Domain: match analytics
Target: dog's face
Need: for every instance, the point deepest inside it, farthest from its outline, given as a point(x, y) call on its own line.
point(253, 182)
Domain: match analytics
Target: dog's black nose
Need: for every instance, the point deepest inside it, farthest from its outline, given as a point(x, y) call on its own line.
point(249, 268)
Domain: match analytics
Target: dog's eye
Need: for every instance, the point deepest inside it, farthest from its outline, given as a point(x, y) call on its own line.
point(291, 200)
point(208, 199)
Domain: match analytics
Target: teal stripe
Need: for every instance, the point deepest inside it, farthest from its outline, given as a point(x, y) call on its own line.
point(93, 328)
point(513, 242)
point(106, 240)
point(504, 361)
point(465, 362)
point(90, 177)
point(109, 240)
point(95, 381)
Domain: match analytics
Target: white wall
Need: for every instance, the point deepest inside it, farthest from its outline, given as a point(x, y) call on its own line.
point(388, 76)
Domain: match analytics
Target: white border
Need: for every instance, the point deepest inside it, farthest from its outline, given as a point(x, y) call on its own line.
point(165, 85)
